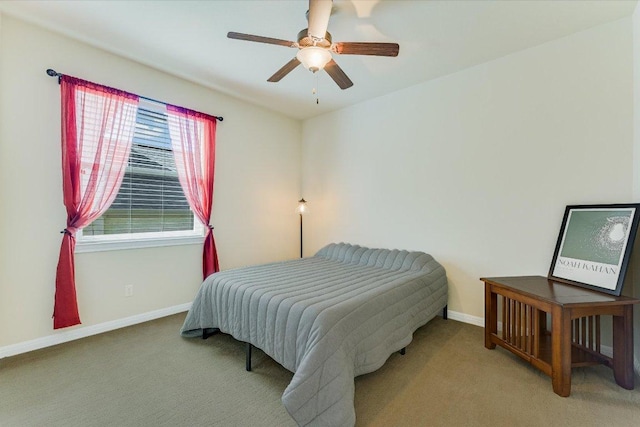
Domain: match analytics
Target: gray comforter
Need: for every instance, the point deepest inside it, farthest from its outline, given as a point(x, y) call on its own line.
point(326, 318)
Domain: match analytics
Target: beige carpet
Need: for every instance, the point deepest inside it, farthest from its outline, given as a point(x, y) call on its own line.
point(147, 375)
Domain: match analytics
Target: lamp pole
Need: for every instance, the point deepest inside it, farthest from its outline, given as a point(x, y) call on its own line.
point(302, 208)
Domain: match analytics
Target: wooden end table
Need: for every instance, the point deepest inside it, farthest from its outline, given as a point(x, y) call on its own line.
point(574, 338)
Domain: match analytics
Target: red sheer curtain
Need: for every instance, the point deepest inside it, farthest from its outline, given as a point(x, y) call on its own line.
point(97, 129)
point(193, 139)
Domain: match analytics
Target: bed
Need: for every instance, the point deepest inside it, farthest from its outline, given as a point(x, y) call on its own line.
point(326, 318)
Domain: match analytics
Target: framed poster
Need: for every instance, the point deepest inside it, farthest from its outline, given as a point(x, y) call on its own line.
point(594, 246)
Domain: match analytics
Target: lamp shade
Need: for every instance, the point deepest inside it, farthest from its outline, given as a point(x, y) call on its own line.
point(302, 207)
point(314, 58)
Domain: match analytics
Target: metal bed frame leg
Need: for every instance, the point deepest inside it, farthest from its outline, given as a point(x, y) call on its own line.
point(207, 332)
point(403, 350)
point(247, 350)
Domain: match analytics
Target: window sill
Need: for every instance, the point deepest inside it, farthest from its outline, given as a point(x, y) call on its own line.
point(117, 245)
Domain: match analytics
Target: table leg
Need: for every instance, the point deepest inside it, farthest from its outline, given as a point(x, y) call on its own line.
point(561, 351)
point(490, 316)
point(623, 348)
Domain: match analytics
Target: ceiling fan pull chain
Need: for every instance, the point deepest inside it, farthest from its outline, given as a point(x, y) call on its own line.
point(316, 89)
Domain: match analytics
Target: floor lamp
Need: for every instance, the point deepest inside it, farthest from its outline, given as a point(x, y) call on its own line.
point(301, 209)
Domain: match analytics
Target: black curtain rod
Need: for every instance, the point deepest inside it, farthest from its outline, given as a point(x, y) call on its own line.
point(54, 73)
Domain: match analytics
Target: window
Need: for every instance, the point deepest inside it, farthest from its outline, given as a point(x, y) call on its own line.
point(150, 208)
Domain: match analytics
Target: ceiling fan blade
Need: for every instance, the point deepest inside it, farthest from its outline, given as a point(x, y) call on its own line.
point(338, 75)
point(286, 69)
point(260, 39)
point(366, 48)
point(319, 13)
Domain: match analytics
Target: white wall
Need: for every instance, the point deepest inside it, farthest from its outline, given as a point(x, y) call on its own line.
point(257, 186)
point(635, 263)
point(477, 167)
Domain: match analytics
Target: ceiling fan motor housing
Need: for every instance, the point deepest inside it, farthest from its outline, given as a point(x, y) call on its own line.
point(305, 40)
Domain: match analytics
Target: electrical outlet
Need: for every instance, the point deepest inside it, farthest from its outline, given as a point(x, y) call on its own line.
point(128, 290)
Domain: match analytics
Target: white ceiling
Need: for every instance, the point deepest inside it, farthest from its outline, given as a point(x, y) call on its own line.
point(188, 39)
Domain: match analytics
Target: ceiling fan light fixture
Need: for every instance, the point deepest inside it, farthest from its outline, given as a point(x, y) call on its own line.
point(314, 58)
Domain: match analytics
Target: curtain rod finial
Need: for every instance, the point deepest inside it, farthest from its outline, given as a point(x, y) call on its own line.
point(51, 72)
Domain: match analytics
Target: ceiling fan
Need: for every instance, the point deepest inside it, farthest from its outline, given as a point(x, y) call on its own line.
point(315, 46)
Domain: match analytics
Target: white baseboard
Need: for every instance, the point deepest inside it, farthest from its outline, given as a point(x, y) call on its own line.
point(465, 318)
point(82, 332)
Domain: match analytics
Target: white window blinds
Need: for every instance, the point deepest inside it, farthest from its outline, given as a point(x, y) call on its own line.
point(150, 202)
